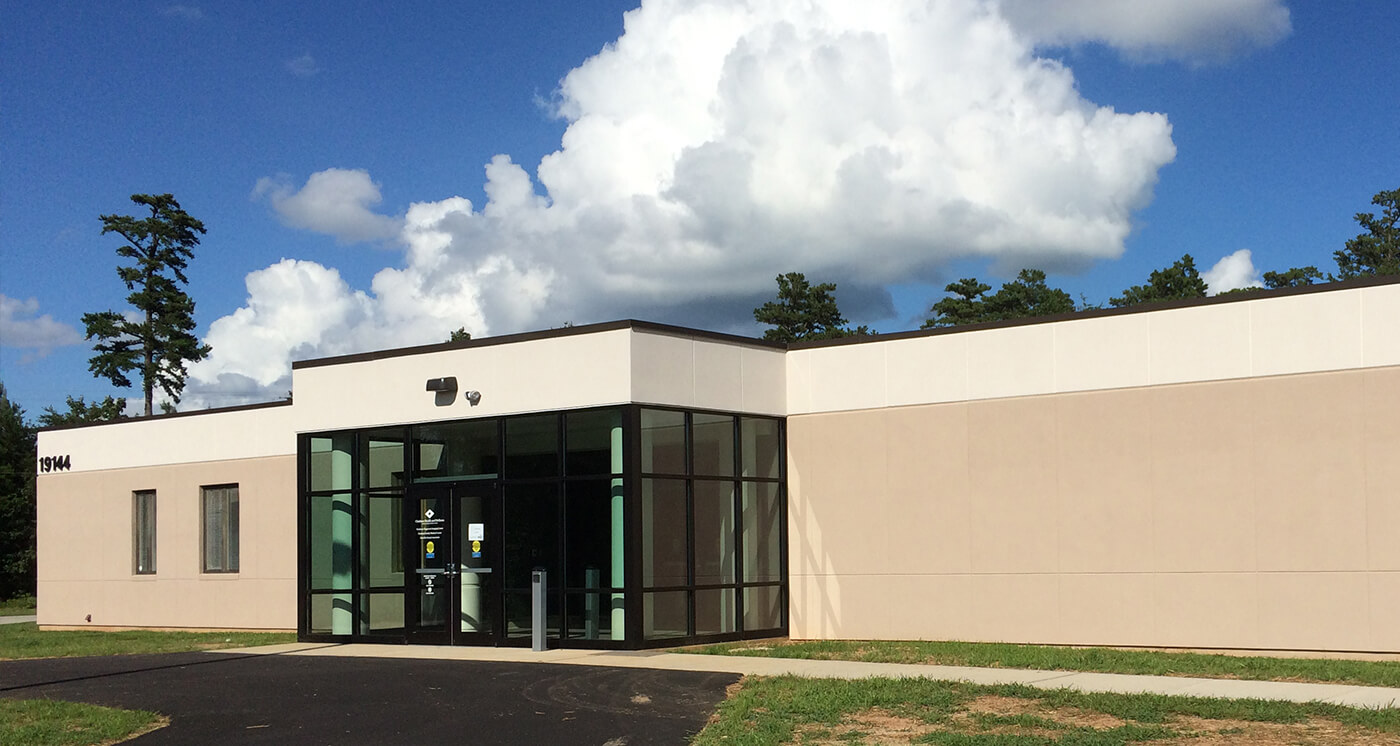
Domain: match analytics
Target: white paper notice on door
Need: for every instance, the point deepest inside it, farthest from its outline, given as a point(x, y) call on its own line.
point(476, 532)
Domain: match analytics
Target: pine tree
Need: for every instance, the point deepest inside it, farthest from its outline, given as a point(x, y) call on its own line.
point(159, 343)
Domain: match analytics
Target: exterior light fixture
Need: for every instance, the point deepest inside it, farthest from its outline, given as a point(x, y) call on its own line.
point(473, 397)
point(446, 385)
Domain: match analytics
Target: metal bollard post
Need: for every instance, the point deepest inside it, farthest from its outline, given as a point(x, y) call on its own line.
point(537, 608)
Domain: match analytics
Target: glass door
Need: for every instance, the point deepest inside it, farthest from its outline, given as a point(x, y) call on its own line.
point(451, 560)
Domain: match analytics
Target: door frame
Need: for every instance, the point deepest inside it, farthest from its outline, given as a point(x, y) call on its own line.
point(455, 557)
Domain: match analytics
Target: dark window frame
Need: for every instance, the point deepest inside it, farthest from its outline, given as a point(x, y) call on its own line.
point(229, 529)
point(143, 532)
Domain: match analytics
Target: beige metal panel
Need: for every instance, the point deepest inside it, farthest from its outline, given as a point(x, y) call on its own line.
point(1314, 611)
point(1016, 361)
point(1200, 343)
point(799, 381)
point(1381, 447)
point(1102, 447)
point(1310, 472)
point(1380, 334)
point(1012, 476)
point(1196, 515)
point(1202, 490)
point(708, 374)
point(719, 376)
point(848, 377)
point(1305, 333)
point(85, 548)
point(765, 381)
point(536, 375)
point(926, 369)
point(1206, 609)
point(1021, 607)
point(1107, 609)
point(247, 433)
point(1104, 353)
point(926, 489)
point(1383, 593)
point(663, 369)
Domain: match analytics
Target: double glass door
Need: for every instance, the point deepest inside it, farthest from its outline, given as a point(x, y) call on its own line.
point(452, 564)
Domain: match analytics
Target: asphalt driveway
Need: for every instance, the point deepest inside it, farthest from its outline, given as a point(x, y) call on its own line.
point(218, 698)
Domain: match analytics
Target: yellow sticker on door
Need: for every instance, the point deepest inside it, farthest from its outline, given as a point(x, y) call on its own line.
point(429, 549)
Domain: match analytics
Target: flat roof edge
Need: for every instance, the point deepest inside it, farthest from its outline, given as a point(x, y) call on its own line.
point(1096, 313)
point(566, 331)
point(171, 416)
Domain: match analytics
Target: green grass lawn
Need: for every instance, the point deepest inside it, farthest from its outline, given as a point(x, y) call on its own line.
point(21, 606)
point(45, 722)
point(784, 709)
point(26, 641)
point(1052, 658)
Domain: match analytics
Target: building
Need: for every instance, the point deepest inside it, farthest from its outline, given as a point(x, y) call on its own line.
point(1218, 473)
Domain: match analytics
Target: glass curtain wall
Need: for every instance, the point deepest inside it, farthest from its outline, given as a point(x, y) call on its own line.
point(655, 526)
point(713, 525)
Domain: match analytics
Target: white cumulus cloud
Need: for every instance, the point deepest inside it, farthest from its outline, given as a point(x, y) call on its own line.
point(336, 202)
point(21, 327)
point(1232, 272)
point(713, 146)
point(1192, 31)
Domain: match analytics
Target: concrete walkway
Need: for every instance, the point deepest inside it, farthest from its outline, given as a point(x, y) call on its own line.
point(18, 619)
point(1341, 694)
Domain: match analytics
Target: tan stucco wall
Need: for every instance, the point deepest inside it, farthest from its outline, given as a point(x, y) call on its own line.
point(85, 553)
point(1256, 513)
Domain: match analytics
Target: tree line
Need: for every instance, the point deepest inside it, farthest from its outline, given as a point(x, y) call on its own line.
point(803, 311)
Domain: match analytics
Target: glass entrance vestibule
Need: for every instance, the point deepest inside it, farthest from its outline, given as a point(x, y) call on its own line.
point(654, 526)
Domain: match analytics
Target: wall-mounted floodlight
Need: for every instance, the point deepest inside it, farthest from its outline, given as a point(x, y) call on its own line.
point(473, 397)
point(444, 385)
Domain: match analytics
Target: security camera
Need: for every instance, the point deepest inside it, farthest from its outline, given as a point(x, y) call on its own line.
point(473, 397)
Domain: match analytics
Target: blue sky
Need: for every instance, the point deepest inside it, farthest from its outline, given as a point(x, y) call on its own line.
point(1277, 135)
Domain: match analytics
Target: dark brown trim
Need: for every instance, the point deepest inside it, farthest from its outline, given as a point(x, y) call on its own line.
point(172, 415)
point(567, 331)
point(1360, 282)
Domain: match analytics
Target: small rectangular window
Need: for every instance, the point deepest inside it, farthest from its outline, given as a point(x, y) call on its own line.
point(143, 532)
point(219, 539)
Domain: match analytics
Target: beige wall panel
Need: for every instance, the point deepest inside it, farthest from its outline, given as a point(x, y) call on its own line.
point(1381, 446)
point(1309, 471)
point(85, 548)
point(1012, 473)
point(930, 607)
point(1103, 353)
point(848, 377)
point(1200, 343)
point(815, 607)
point(1104, 448)
point(663, 370)
point(1314, 610)
point(1109, 609)
point(926, 370)
point(1383, 593)
point(719, 376)
point(1305, 333)
point(1380, 336)
point(845, 483)
point(686, 372)
point(1016, 361)
point(1206, 609)
point(765, 381)
point(554, 373)
point(248, 433)
point(1016, 608)
point(1202, 490)
point(927, 488)
point(798, 365)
